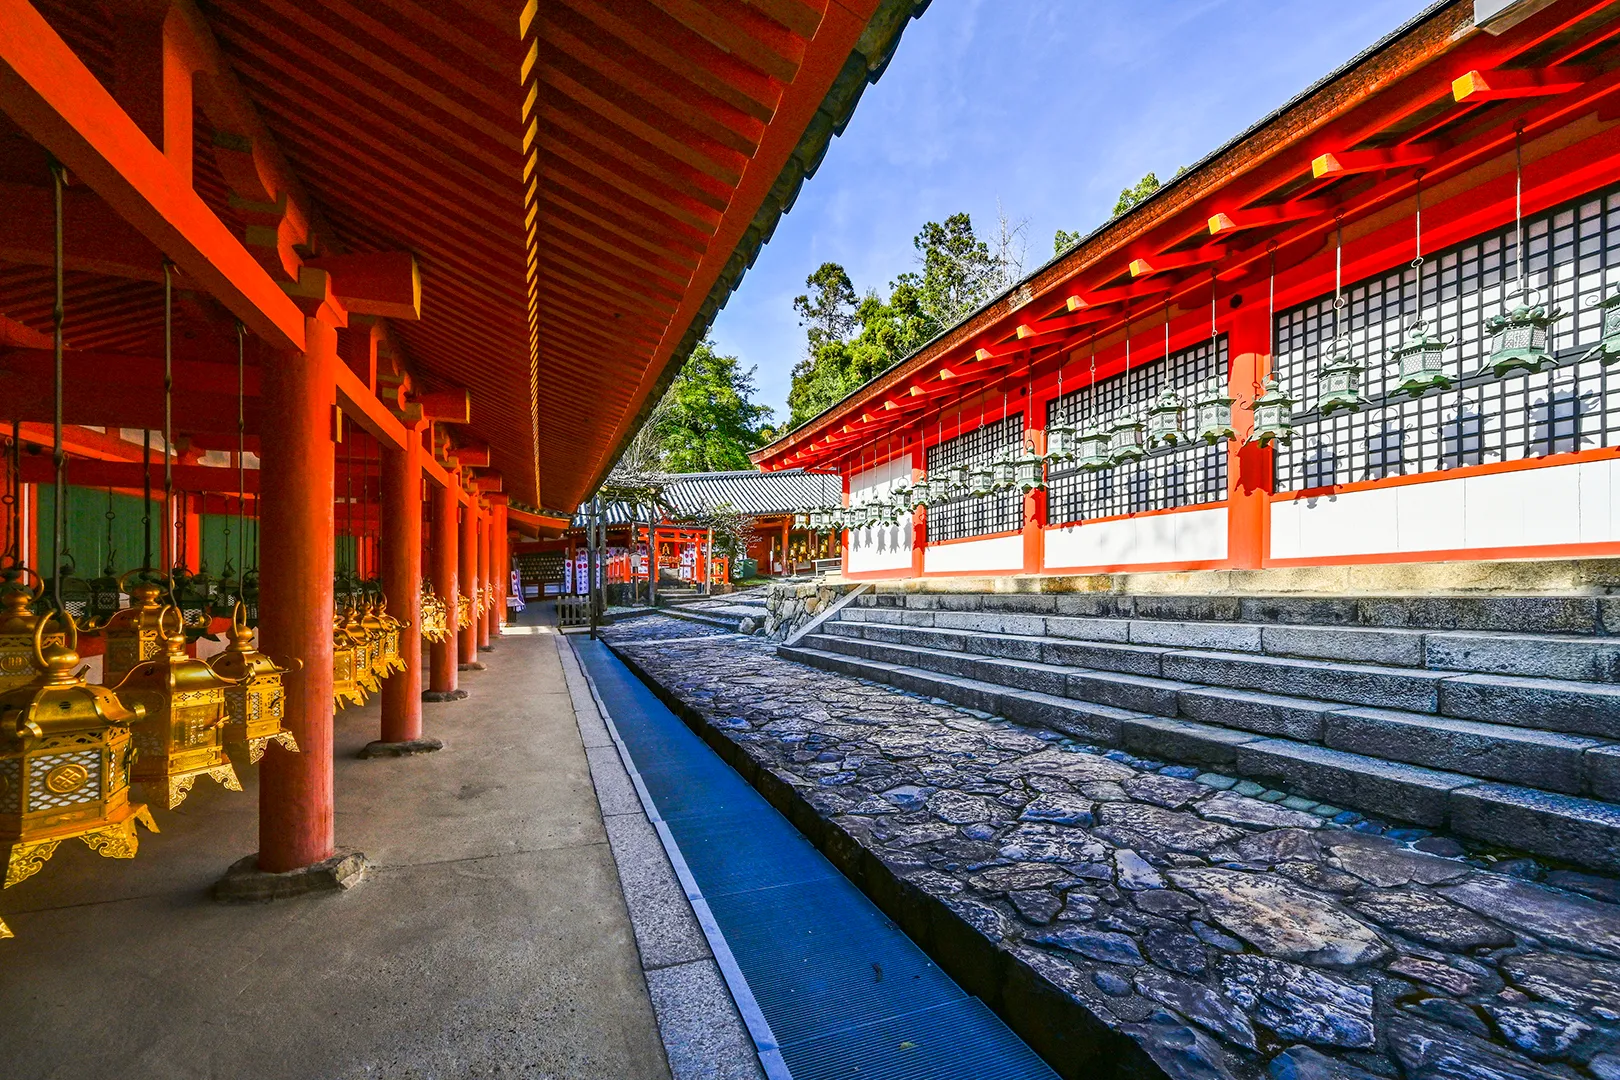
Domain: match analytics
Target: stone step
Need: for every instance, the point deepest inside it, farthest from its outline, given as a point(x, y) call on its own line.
point(1082, 719)
point(1552, 761)
point(1546, 823)
point(1535, 614)
point(1549, 656)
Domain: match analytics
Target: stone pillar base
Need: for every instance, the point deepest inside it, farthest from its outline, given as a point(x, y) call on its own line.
point(486, 648)
point(443, 695)
point(471, 665)
point(245, 883)
point(400, 749)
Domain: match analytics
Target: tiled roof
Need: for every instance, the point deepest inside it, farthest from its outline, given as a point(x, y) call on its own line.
point(746, 490)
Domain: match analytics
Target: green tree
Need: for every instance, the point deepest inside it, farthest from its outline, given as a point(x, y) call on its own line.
point(1133, 196)
point(849, 342)
point(1063, 240)
point(828, 309)
point(710, 420)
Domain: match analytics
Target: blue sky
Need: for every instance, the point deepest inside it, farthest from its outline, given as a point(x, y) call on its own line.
point(1050, 106)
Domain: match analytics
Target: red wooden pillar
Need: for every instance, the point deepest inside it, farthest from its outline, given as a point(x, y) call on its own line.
point(843, 542)
point(502, 568)
point(1249, 466)
point(401, 536)
point(467, 637)
point(1035, 501)
point(295, 559)
point(442, 676)
point(486, 538)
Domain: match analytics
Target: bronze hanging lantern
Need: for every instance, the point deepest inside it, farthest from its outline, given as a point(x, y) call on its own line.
point(1519, 338)
point(1419, 358)
point(1004, 473)
point(392, 629)
point(1029, 471)
point(18, 622)
point(182, 734)
point(1338, 381)
point(65, 758)
point(1608, 347)
point(106, 597)
point(1165, 419)
point(1212, 412)
point(1062, 442)
point(135, 633)
point(255, 702)
point(1092, 452)
point(1273, 415)
point(1125, 439)
point(981, 480)
point(74, 591)
point(193, 596)
point(1419, 361)
point(922, 493)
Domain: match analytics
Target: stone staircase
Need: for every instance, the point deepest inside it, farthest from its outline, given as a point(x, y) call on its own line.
point(1495, 717)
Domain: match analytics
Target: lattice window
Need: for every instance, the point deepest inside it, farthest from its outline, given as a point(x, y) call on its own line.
point(970, 515)
point(1572, 258)
point(1176, 476)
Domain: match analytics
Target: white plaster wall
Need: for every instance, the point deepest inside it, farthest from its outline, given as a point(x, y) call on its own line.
point(1183, 537)
point(885, 547)
point(1578, 503)
point(999, 553)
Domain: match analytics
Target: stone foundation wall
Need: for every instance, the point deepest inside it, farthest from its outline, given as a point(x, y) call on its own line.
point(789, 605)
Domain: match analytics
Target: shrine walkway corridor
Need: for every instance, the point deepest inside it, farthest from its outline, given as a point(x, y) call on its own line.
point(490, 939)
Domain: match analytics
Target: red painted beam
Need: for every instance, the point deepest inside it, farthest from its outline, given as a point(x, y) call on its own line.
point(1480, 86)
point(386, 283)
point(37, 469)
point(1178, 260)
point(1350, 162)
point(445, 406)
point(1232, 221)
point(49, 93)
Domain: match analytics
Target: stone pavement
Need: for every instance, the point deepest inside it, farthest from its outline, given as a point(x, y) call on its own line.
point(1230, 931)
point(491, 938)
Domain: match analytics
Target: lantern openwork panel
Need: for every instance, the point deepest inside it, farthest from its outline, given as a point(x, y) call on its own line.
point(348, 658)
point(65, 760)
point(1125, 439)
point(1338, 383)
point(1273, 414)
point(182, 735)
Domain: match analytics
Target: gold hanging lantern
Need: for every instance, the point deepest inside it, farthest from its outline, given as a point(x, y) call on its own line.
point(182, 735)
point(135, 633)
point(348, 653)
point(376, 632)
point(435, 615)
point(65, 757)
point(464, 609)
point(392, 628)
point(255, 702)
point(17, 625)
point(367, 648)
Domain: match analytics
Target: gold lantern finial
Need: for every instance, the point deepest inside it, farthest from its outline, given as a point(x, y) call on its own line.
point(182, 735)
point(17, 625)
point(65, 758)
point(255, 703)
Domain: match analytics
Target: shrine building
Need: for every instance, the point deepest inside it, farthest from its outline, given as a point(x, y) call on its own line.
point(1378, 327)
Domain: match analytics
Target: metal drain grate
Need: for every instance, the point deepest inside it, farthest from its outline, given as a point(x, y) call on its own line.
point(845, 993)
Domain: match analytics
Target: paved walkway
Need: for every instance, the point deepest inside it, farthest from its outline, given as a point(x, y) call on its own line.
point(1109, 906)
point(491, 940)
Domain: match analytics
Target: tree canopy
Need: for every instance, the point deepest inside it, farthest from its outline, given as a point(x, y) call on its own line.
point(708, 420)
point(849, 341)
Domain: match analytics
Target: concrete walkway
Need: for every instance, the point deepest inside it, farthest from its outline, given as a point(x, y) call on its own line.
point(491, 939)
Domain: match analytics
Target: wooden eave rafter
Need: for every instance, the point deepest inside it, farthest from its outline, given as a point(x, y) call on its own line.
point(1406, 77)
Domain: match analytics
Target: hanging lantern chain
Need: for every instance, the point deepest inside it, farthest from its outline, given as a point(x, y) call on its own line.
point(14, 504)
point(58, 455)
point(168, 408)
point(241, 448)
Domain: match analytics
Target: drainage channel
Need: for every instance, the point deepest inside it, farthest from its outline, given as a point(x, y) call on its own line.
point(828, 986)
